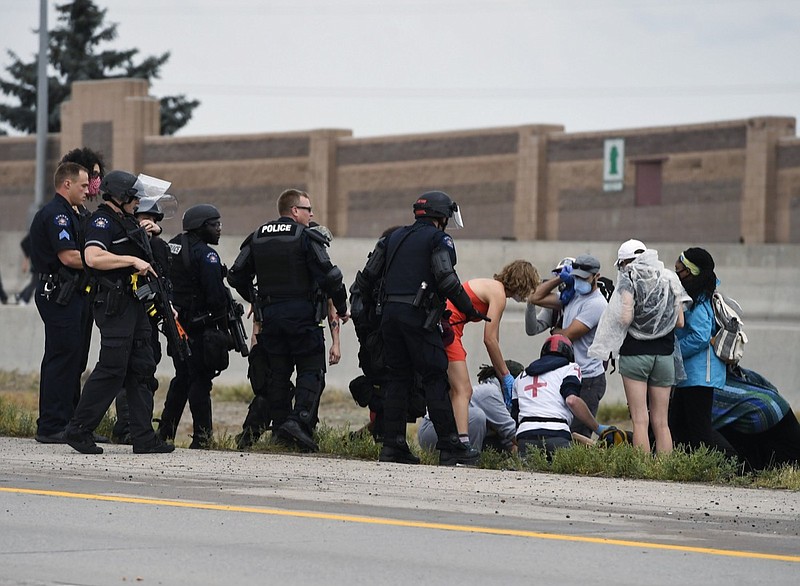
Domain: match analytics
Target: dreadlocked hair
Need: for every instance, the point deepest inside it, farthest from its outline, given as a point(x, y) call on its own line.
point(487, 371)
point(519, 278)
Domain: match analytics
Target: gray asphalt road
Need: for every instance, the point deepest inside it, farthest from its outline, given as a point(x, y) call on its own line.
point(225, 518)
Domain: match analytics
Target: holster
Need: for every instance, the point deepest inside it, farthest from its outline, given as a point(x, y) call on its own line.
point(115, 297)
point(434, 309)
point(320, 306)
point(66, 285)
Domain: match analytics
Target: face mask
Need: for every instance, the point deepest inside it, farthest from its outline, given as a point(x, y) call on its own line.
point(583, 287)
point(94, 186)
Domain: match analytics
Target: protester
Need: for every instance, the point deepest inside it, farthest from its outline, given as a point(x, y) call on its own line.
point(490, 423)
point(690, 409)
point(517, 280)
point(757, 421)
point(639, 326)
point(582, 311)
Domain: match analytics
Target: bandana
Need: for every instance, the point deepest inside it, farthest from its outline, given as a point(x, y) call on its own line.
point(693, 268)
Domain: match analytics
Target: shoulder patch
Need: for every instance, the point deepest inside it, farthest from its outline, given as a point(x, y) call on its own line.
point(448, 242)
point(100, 222)
point(212, 258)
point(61, 220)
point(175, 248)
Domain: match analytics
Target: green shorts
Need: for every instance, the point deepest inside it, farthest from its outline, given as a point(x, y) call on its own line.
point(656, 371)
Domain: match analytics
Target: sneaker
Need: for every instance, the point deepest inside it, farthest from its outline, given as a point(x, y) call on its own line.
point(81, 441)
point(398, 454)
point(56, 438)
point(457, 453)
point(292, 431)
point(158, 447)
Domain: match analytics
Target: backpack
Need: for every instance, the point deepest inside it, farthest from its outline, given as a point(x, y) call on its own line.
point(729, 340)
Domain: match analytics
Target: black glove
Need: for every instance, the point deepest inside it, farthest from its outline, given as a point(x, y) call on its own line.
point(475, 315)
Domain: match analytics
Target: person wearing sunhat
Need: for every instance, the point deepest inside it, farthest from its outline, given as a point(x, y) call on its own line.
point(581, 315)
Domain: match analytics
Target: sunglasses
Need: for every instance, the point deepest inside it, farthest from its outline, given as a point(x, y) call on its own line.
point(306, 208)
point(582, 267)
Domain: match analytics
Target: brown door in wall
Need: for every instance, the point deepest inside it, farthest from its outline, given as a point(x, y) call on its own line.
point(648, 183)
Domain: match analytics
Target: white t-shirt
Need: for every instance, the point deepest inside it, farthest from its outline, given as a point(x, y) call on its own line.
point(587, 309)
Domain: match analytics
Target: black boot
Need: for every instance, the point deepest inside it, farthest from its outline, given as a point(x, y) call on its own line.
point(294, 432)
point(454, 452)
point(246, 439)
point(398, 452)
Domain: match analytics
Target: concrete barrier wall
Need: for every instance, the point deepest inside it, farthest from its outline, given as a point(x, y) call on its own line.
point(763, 278)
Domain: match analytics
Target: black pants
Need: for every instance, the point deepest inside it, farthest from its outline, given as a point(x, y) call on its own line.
point(411, 351)
point(192, 383)
point(126, 361)
point(122, 427)
point(60, 375)
point(778, 445)
point(690, 420)
point(293, 341)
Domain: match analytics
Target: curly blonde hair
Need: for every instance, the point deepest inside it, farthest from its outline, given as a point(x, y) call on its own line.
point(520, 278)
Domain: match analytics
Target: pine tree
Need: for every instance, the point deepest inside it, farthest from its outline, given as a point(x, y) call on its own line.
point(76, 55)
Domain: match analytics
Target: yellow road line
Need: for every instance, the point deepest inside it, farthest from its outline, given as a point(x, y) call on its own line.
point(401, 523)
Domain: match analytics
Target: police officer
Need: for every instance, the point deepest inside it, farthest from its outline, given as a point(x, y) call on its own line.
point(417, 265)
point(200, 298)
point(56, 240)
point(148, 214)
point(294, 277)
point(114, 253)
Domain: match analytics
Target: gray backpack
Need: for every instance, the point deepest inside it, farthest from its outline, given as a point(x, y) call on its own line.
point(729, 340)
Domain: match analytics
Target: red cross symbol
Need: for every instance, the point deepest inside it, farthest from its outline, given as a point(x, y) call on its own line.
point(534, 388)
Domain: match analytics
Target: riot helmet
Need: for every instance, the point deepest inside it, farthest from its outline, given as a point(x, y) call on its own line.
point(437, 204)
point(149, 205)
point(558, 345)
point(120, 187)
point(196, 216)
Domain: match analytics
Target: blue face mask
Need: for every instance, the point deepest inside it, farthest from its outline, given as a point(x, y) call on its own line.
point(582, 287)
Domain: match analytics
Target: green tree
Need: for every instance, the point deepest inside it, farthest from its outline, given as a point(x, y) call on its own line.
point(76, 55)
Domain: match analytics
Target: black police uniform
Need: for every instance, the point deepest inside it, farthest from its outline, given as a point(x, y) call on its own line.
point(412, 346)
point(57, 227)
point(161, 265)
point(294, 277)
point(200, 298)
point(126, 356)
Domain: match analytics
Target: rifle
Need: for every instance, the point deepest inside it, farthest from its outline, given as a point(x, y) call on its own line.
point(157, 304)
point(234, 325)
point(154, 290)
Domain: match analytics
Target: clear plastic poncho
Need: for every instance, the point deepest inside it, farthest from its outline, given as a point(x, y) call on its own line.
point(644, 304)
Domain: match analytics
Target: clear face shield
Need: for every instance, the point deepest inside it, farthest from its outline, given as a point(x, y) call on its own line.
point(152, 192)
point(458, 222)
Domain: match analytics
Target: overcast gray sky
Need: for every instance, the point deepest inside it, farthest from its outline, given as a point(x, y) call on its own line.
point(405, 66)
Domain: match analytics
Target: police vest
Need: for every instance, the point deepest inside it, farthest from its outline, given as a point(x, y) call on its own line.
point(185, 284)
point(409, 251)
point(280, 260)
